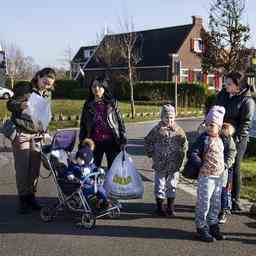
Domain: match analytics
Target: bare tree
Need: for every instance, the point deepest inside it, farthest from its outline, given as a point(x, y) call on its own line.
point(130, 43)
point(67, 60)
point(19, 66)
point(225, 42)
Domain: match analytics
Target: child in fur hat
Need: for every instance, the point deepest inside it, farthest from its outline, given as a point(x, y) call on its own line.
point(208, 154)
point(167, 144)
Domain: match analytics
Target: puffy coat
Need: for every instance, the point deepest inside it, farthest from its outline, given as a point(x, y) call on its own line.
point(239, 108)
point(114, 119)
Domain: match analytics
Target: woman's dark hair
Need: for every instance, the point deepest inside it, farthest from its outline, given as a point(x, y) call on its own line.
point(235, 77)
point(107, 97)
point(45, 71)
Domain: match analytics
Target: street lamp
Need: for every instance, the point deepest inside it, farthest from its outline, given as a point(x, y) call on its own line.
point(176, 64)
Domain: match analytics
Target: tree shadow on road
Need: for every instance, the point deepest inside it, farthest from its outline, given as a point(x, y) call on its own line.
point(11, 222)
point(136, 147)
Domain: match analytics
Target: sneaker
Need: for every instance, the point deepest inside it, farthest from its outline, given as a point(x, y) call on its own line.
point(204, 235)
point(223, 217)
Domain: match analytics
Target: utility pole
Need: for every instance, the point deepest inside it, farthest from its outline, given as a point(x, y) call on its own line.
point(176, 64)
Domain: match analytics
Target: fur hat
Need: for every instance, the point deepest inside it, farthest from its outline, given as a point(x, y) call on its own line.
point(86, 154)
point(167, 111)
point(215, 115)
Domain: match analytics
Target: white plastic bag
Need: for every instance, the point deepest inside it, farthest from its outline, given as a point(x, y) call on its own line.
point(122, 180)
point(39, 109)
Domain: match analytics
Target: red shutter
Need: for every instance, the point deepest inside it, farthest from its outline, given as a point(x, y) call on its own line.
point(192, 44)
point(205, 78)
point(217, 80)
point(190, 76)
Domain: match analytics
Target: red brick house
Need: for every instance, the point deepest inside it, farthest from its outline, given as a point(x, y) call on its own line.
point(157, 47)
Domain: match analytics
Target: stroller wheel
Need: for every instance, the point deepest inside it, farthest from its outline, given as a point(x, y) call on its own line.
point(74, 203)
point(47, 213)
point(115, 213)
point(88, 220)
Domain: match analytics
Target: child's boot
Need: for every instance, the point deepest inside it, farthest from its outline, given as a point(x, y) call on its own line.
point(204, 235)
point(215, 232)
point(160, 207)
point(170, 207)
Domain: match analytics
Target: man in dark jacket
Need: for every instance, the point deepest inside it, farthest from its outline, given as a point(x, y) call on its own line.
point(240, 108)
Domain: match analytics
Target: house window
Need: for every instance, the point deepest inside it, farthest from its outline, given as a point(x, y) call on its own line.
point(87, 54)
point(197, 45)
point(183, 75)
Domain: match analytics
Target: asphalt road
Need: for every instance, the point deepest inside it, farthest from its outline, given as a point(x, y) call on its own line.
point(137, 232)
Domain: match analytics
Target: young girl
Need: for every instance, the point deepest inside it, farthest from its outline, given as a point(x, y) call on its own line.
point(229, 159)
point(166, 143)
point(208, 151)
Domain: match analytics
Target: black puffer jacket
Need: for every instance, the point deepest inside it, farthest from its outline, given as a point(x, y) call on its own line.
point(239, 110)
point(114, 119)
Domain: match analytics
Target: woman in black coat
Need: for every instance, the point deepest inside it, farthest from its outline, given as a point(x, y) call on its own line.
point(240, 108)
point(102, 121)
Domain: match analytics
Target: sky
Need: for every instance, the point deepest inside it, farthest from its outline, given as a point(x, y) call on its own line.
point(45, 29)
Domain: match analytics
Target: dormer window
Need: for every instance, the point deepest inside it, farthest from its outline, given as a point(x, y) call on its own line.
point(87, 54)
point(197, 45)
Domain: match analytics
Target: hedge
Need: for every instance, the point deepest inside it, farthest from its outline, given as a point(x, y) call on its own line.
point(189, 95)
point(69, 89)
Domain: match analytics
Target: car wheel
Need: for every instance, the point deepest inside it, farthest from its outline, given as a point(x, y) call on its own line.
point(6, 96)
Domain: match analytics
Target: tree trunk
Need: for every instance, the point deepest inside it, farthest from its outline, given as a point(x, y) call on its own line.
point(131, 89)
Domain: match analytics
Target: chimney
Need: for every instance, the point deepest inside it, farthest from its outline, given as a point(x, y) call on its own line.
point(197, 20)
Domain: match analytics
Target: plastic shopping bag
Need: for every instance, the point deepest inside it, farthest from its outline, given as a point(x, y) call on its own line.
point(122, 180)
point(39, 109)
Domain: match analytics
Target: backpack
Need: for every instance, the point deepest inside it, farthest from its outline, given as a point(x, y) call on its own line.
point(192, 166)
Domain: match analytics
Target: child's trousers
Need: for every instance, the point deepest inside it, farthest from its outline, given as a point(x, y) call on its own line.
point(226, 201)
point(166, 184)
point(208, 200)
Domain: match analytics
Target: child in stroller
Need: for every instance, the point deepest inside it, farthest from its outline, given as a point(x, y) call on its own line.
point(77, 180)
point(80, 169)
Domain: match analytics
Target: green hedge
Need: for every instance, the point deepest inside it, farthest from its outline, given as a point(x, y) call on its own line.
point(69, 89)
point(189, 95)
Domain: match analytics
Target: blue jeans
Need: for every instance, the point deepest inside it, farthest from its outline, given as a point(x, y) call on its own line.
point(208, 200)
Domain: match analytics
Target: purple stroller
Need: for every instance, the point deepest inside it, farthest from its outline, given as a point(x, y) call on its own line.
point(70, 194)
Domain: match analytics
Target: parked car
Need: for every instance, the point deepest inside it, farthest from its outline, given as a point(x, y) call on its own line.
point(5, 93)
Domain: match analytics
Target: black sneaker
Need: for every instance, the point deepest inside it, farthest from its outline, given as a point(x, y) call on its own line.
point(33, 203)
point(223, 217)
point(204, 235)
point(24, 207)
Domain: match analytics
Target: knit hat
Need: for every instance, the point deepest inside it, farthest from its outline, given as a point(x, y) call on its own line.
point(167, 111)
point(86, 154)
point(215, 115)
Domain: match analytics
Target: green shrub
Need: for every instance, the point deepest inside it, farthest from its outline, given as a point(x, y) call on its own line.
point(251, 147)
point(68, 89)
point(189, 95)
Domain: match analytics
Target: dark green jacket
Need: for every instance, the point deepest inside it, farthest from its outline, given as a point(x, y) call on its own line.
point(22, 121)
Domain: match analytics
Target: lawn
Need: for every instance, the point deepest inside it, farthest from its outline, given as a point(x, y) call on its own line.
point(248, 170)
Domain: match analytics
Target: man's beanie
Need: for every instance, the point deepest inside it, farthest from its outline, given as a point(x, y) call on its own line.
point(215, 115)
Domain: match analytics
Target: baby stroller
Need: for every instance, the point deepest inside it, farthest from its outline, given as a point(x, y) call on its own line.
point(71, 198)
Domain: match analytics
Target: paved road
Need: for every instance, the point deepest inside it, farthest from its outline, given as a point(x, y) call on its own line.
point(136, 232)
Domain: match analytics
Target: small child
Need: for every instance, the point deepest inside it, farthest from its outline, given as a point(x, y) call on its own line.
point(208, 153)
point(83, 165)
point(229, 159)
point(167, 144)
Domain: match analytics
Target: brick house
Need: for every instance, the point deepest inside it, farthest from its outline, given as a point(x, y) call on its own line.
point(157, 46)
